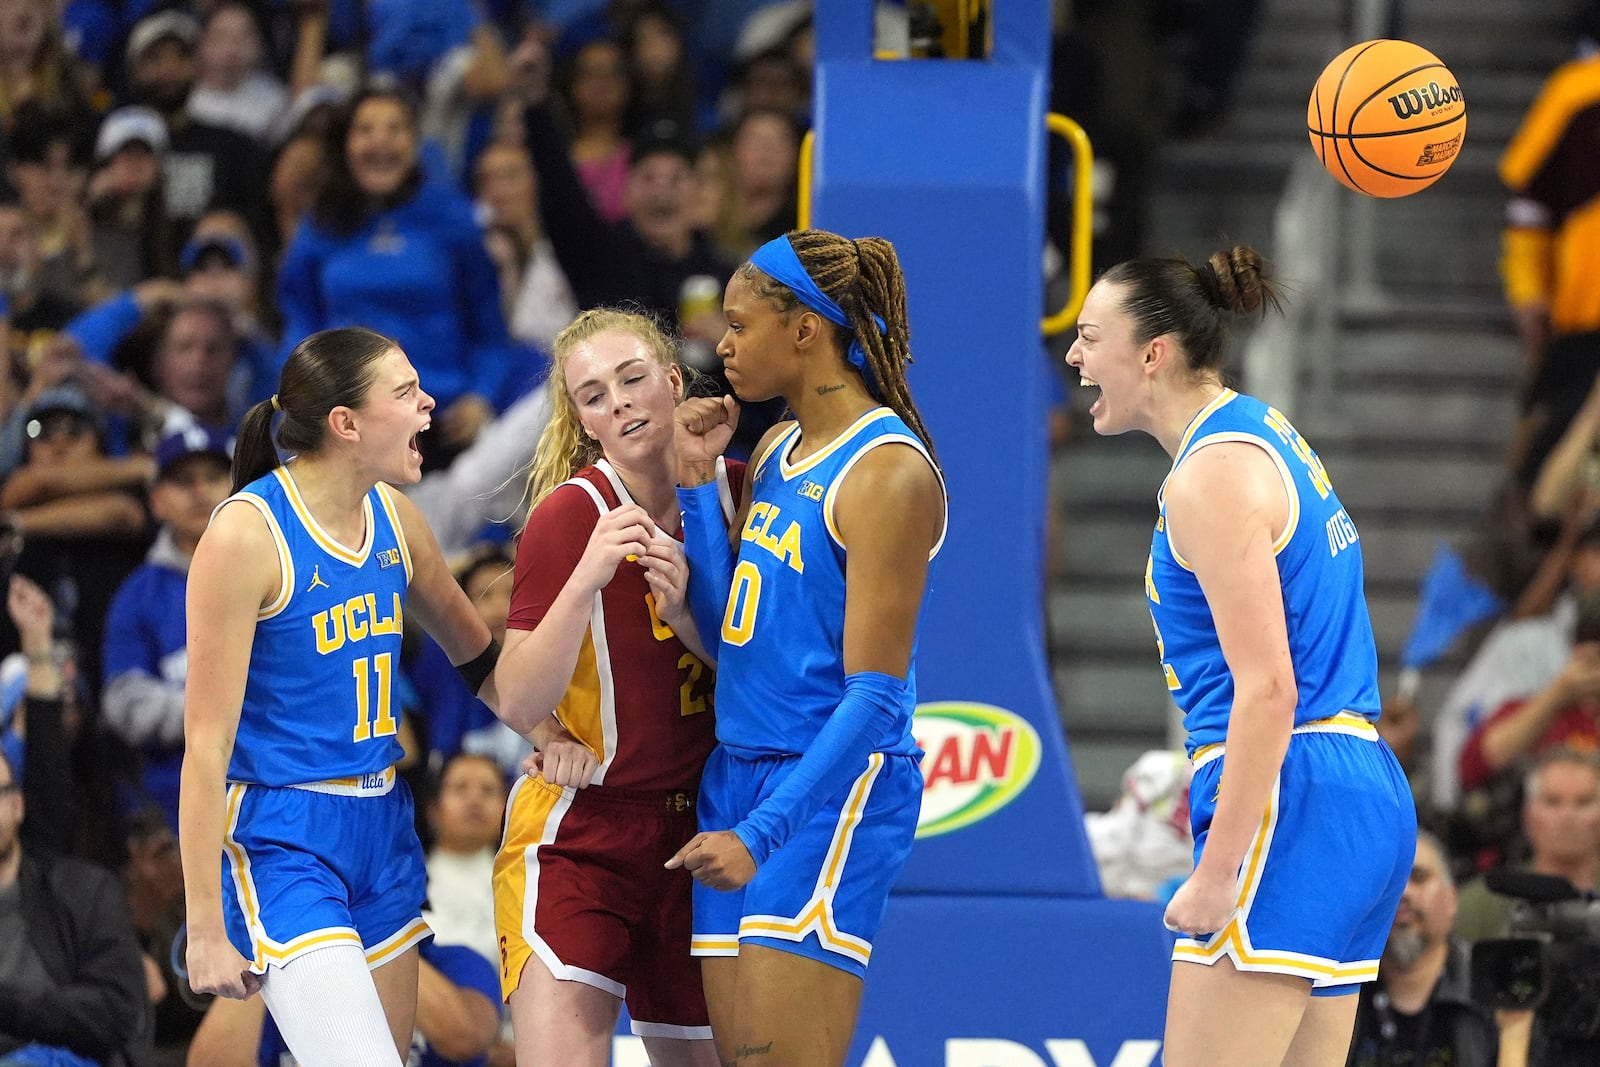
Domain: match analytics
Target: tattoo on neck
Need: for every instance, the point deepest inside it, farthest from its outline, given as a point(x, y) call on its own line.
point(745, 1052)
point(824, 390)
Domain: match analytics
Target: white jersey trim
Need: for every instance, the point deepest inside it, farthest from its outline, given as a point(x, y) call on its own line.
point(530, 908)
point(1280, 542)
point(886, 439)
point(285, 560)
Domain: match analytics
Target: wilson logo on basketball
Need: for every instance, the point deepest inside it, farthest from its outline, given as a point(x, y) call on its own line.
point(1416, 101)
point(977, 758)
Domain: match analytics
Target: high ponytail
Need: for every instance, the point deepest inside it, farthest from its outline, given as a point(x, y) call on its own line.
point(329, 369)
point(254, 454)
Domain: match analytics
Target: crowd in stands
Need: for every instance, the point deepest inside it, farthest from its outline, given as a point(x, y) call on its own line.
point(187, 189)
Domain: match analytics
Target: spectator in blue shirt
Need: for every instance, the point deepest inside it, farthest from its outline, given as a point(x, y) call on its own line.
point(386, 249)
point(146, 662)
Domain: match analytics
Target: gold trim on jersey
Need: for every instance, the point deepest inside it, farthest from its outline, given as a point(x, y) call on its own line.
point(318, 534)
point(584, 706)
point(1189, 431)
point(396, 943)
point(386, 496)
point(1233, 940)
point(285, 561)
point(789, 471)
point(376, 784)
point(1233, 437)
point(838, 480)
point(817, 915)
point(534, 813)
point(758, 463)
point(1345, 722)
point(244, 886)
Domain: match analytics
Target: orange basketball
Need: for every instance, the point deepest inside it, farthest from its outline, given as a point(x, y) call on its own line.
point(1386, 118)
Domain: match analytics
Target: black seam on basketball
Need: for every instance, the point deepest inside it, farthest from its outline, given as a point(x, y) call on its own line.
point(1334, 115)
point(1399, 78)
point(1356, 151)
point(1322, 148)
point(1390, 133)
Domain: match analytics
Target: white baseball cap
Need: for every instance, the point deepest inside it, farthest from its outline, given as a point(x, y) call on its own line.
point(126, 125)
point(158, 27)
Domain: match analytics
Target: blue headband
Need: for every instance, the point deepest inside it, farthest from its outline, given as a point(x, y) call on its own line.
point(777, 260)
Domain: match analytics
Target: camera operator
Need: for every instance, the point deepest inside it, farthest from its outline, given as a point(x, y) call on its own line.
point(1419, 1011)
point(1536, 927)
point(1561, 825)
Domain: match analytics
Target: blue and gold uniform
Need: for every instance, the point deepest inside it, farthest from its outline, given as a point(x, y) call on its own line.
point(780, 678)
point(320, 841)
point(1321, 881)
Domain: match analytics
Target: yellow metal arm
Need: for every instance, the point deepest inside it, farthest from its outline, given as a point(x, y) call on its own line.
point(1082, 220)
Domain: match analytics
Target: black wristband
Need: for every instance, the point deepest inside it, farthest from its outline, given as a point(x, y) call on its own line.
point(476, 671)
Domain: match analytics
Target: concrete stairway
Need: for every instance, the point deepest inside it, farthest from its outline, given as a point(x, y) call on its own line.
point(1424, 359)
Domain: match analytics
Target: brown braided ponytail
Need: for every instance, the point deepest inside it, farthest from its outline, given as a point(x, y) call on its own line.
point(864, 278)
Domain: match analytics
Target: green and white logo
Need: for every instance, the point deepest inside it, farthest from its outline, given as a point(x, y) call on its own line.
point(977, 758)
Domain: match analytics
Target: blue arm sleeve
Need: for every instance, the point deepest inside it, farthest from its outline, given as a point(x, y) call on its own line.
point(103, 326)
point(705, 542)
point(839, 753)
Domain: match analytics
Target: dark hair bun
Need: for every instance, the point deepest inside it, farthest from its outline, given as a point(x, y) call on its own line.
point(1242, 287)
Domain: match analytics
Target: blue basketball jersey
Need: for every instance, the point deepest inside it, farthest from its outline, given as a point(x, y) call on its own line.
point(320, 702)
point(781, 667)
point(1319, 566)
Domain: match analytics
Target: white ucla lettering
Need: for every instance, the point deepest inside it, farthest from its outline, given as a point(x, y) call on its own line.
point(758, 530)
point(354, 620)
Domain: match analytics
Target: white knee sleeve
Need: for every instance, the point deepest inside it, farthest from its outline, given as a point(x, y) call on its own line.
point(328, 1011)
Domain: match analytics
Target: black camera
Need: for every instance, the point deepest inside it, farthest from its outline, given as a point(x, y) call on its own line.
point(1551, 961)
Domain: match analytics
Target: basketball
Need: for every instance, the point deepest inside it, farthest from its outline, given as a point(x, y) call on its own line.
point(1386, 118)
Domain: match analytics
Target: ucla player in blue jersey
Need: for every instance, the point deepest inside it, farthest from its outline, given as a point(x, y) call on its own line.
point(809, 803)
point(1303, 822)
point(302, 871)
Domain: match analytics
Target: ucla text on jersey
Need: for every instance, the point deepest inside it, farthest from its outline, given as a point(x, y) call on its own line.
point(319, 700)
point(782, 660)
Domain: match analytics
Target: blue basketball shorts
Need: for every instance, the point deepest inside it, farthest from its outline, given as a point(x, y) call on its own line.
point(824, 892)
point(1320, 884)
point(309, 866)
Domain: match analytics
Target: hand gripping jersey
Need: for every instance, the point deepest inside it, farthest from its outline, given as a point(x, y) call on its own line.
point(781, 667)
point(319, 701)
point(1319, 565)
point(638, 698)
